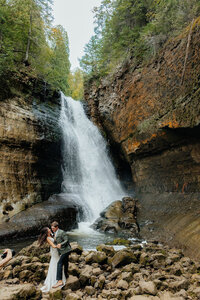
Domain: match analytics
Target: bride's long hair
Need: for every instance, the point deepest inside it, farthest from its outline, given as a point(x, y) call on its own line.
point(43, 236)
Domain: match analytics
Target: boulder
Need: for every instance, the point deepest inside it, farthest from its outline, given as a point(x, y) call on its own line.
point(109, 250)
point(72, 283)
point(122, 284)
point(75, 247)
point(121, 258)
point(178, 285)
point(73, 296)
point(73, 269)
point(15, 292)
point(90, 290)
point(118, 216)
point(85, 275)
point(148, 287)
point(30, 221)
point(96, 257)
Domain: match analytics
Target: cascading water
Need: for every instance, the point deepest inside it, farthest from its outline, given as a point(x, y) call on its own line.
point(88, 173)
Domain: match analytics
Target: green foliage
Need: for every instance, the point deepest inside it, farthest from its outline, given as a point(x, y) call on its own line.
point(58, 67)
point(28, 39)
point(133, 28)
point(76, 84)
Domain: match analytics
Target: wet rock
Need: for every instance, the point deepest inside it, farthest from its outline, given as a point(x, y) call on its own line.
point(118, 216)
point(30, 221)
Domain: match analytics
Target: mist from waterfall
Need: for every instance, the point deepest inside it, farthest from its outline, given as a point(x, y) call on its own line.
point(88, 173)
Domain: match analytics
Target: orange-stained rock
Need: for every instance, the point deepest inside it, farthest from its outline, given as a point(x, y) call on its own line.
point(153, 119)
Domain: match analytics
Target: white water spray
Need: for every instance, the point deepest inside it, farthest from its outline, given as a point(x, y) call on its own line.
point(88, 173)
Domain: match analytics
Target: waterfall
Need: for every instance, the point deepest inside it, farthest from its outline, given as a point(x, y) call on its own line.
point(88, 172)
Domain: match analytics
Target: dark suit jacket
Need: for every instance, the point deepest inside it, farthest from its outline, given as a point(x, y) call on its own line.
point(62, 238)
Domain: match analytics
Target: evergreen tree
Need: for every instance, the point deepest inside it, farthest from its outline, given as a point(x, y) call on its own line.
point(27, 38)
point(133, 28)
point(59, 65)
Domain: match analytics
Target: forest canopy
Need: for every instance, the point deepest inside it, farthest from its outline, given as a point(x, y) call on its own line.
point(27, 38)
point(133, 28)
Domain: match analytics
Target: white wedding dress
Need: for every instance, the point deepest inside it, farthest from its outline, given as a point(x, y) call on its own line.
point(52, 271)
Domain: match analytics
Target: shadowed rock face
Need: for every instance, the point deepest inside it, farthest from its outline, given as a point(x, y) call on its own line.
point(153, 118)
point(30, 139)
point(30, 221)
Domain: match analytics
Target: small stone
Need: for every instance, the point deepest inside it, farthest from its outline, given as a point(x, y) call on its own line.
point(122, 284)
point(75, 247)
point(73, 269)
point(90, 290)
point(72, 283)
point(127, 276)
point(73, 296)
point(74, 258)
point(56, 294)
point(85, 275)
point(122, 257)
point(97, 271)
point(148, 287)
point(109, 250)
point(176, 286)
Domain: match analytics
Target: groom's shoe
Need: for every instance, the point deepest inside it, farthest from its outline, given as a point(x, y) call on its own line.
point(59, 283)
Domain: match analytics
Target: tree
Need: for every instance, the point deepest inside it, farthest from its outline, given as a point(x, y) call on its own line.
point(59, 65)
point(76, 84)
point(27, 38)
point(133, 28)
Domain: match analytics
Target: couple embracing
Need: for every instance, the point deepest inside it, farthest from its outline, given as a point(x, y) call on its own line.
point(59, 250)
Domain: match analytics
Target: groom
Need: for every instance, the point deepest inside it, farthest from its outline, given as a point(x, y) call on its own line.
point(61, 239)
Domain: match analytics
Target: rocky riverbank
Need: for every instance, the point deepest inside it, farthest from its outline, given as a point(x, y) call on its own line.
point(137, 272)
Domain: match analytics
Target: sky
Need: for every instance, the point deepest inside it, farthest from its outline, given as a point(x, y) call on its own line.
point(77, 18)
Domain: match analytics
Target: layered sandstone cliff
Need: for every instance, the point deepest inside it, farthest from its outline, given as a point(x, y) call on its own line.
point(152, 115)
point(30, 166)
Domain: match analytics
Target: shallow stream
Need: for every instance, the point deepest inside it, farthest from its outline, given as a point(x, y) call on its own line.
point(84, 236)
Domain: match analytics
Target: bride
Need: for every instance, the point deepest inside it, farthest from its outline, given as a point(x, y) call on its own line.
point(46, 236)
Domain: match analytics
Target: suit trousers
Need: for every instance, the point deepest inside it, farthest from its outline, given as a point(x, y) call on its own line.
point(63, 261)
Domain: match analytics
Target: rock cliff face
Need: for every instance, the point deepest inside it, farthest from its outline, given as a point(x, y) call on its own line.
point(30, 167)
point(152, 115)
